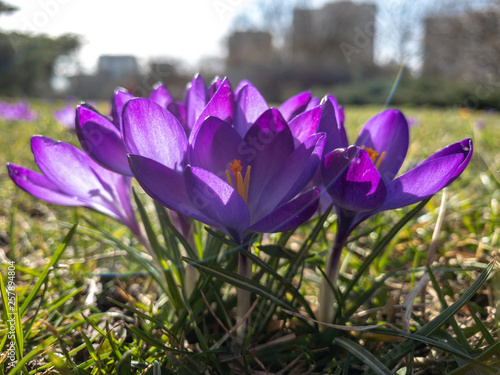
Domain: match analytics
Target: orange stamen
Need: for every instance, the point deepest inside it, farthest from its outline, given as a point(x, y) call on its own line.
point(376, 158)
point(241, 184)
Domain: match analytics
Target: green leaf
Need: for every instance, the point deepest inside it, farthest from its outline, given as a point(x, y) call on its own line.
point(240, 282)
point(458, 331)
point(405, 347)
point(488, 352)
point(153, 341)
point(171, 245)
point(379, 248)
point(364, 355)
point(277, 251)
point(294, 291)
point(166, 223)
point(124, 365)
point(153, 241)
point(136, 255)
point(452, 348)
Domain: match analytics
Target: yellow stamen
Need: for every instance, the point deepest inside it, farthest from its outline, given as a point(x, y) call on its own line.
point(241, 184)
point(247, 182)
point(229, 178)
point(377, 164)
point(376, 158)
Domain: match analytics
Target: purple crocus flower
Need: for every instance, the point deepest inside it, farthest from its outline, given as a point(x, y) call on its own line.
point(70, 178)
point(361, 180)
point(66, 116)
point(103, 138)
point(240, 177)
point(100, 135)
point(19, 111)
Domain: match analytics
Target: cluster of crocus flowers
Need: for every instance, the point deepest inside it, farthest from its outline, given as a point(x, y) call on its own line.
point(223, 157)
point(19, 111)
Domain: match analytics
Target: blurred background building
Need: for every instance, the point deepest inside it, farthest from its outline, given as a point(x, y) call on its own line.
point(465, 46)
point(434, 52)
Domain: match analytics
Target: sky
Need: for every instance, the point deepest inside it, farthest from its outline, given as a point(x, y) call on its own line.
point(182, 29)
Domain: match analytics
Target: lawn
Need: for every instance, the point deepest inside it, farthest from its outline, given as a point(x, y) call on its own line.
point(412, 299)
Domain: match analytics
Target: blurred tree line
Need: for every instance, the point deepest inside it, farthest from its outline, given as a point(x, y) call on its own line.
point(27, 62)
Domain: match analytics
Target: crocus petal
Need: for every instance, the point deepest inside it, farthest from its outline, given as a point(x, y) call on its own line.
point(40, 187)
point(214, 86)
point(69, 169)
point(304, 125)
point(220, 105)
point(165, 186)
point(339, 111)
point(250, 104)
point(330, 124)
point(314, 102)
point(160, 95)
point(290, 215)
point(215, 146)
point(430, 176)
point(179, 111)
point(217, 200)
point(352, 180)
point(292, 176)
point(196, 99)
point(387, 132)
point(266, 146)
point(101, 140)
point(295, 105)
point(240, 85)
point(119, 100)
point(152, 131)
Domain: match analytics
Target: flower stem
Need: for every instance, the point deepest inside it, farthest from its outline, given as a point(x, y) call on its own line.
point(243, 304)
point(326, 295)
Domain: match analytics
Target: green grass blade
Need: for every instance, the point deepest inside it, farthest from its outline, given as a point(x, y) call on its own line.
point(405, 347)
point(240, 282)
point(458, 331)
point(484, 330)
point(440, 344)
point(153, 341)
point(136, 255)
point(487, 353)
point(12, 241)
point(124, 365)
point(153, 240)
point(296, 293)
point(55, 258)
point(364, 355)
point(172, 250)
point(166, 223)
point(379, 248)
point(141, 314)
